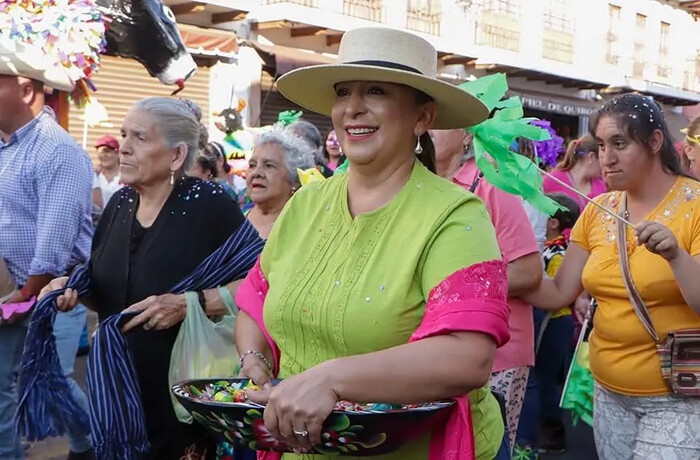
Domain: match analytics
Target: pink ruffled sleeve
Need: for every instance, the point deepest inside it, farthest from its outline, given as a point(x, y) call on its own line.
point(472, 299)
point(250, 298)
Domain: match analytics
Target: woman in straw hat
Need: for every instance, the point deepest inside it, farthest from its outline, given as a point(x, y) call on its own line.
point(384, 284)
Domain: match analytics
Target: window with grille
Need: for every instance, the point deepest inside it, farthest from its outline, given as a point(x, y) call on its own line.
point(557, 16)
point(425, 6)
point(611, 55)
point(664, 70)
point(640, 46)
point(313, 3)
point(641, 22)
point(424, 16)
point(505, 7)
point(664, 38)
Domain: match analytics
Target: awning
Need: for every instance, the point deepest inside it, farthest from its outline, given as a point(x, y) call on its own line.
point(209, 42)
point(676, 122)
point(537, 75)
point(571, 106)
point(278, 60)
point(691, 6)
point(662, 93)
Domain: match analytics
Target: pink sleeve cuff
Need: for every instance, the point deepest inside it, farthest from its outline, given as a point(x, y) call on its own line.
point(473, 299)
point(250, 298)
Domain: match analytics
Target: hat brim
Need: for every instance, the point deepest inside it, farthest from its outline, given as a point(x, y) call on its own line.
point(313, 89)
point(35, 66)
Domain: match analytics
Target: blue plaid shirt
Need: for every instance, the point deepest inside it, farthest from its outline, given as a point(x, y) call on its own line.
point(45, 200)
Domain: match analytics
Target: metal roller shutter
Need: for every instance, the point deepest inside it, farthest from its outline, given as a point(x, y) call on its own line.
point(120, 83)
point(272, 103)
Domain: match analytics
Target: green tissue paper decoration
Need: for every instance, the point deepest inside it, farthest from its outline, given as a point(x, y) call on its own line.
point(577, 396)
point(288, 117)
point(503, 168)
point(343, 168)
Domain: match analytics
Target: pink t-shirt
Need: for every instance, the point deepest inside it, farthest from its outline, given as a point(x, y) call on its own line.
point(598, 187)
point(516, 239)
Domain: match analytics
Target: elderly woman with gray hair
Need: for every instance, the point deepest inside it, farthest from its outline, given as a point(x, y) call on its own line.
point(272, 177)
point(154, 233)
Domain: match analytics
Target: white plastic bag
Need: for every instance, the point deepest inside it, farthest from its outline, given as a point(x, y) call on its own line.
point(203, 349)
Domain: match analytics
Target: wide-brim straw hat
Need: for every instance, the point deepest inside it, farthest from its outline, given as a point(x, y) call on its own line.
point(30, 62)
point(383, 55)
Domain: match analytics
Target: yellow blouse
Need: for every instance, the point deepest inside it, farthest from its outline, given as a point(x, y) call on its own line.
point(623, 356)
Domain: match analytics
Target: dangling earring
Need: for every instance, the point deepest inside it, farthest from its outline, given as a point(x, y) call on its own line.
point(172, 178)
point(419, 148)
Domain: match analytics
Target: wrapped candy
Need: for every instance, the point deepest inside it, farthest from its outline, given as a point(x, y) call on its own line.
point(236, 392)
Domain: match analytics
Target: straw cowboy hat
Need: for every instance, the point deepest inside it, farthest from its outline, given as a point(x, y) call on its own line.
point(384, 55)
point(31, 62)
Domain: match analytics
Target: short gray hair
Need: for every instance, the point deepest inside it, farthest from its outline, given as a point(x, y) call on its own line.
point(176, 122)
point(297, 152)
point(310, 133)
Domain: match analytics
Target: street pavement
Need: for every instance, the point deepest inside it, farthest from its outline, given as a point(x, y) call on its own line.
point(580, 444)
point(57, 449)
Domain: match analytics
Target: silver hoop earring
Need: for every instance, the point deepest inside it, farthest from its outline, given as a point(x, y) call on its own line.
point(419, 148)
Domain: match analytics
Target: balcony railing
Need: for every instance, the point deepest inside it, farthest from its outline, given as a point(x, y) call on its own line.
point(424, 20)
point(498, 37)
point(664, 71)
point(558, 46)
point(612, 58)
point(312, 3)
point(691, 80)
point(371, 10)
point(498, 30)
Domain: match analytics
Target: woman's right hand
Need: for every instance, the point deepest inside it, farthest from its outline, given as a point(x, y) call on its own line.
point(582, 308)
point(66, 301)
point(256, 369)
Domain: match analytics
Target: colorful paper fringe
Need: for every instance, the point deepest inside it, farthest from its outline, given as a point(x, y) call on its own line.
point(548, 150)
point(502, 167)
point(343, 168)
point(577, 396)
point(70, 31)
point(289, 117)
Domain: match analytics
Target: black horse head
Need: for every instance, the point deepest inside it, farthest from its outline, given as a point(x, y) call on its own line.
point(232, 121)
point(146, 31)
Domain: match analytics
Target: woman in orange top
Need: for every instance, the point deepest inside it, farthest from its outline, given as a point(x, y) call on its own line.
point(636, 417)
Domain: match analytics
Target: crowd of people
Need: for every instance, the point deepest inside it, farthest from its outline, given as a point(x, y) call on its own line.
point(408, 278)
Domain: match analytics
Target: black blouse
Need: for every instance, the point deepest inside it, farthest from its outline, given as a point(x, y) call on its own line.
point(130, 263)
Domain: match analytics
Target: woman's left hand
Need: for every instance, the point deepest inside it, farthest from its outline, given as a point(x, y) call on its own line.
point(157, 312)
point(297, 407)
point(658, 239)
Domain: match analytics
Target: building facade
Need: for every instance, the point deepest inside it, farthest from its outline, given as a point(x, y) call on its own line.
point(563, 57)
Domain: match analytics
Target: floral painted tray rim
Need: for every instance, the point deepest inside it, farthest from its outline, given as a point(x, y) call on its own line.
point(179, 390)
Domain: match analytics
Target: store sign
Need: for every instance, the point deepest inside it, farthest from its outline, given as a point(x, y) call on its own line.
point(555, 106)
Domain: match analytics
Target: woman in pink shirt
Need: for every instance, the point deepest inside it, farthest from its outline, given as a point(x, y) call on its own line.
point(516, 239)
point(579, 169)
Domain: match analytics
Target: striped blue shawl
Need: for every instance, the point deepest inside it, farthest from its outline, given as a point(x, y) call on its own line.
point(46, 407)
